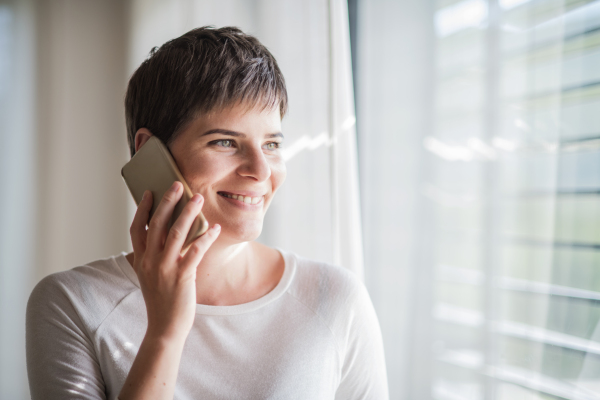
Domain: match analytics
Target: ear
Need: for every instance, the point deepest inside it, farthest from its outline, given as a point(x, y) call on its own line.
point(141, 137)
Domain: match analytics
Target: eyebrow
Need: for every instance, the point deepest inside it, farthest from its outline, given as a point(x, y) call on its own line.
point(238, 134)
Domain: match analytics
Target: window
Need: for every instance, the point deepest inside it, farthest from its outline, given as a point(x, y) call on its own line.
point(502, 280)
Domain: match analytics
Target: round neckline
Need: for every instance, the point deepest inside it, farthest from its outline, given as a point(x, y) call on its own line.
point(289, 270)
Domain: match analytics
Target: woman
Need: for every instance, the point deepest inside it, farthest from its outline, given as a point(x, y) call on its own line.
point(229, 318)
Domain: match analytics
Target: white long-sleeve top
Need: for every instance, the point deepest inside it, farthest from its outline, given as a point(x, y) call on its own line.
point(314, 336)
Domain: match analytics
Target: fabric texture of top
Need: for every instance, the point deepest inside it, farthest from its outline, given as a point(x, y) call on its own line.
point(314, 336)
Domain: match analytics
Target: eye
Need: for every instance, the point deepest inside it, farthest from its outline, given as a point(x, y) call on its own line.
point(223, 143)
point(273, 145)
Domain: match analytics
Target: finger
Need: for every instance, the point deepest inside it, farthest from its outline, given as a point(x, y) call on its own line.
point(198, 248)
point(138, 225)
point(157, 229)
point(180, 229)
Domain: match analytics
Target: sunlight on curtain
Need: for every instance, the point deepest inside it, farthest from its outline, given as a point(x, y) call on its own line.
point(316, 212)
point(506, 227)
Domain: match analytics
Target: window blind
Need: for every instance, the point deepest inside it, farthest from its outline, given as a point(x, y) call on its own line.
point(515, 198)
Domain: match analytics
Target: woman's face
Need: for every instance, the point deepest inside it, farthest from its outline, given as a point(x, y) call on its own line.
point(228, 154)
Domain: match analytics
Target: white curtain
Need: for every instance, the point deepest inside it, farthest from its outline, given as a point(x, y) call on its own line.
point(393, 102)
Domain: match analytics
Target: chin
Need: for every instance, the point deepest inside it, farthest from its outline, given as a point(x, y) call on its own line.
point(244, 232)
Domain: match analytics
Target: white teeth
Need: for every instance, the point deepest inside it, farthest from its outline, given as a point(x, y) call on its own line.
point(244, 199)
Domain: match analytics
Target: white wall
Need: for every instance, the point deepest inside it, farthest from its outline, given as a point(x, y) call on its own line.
point(81, 132)
point(62, 83)
point(17, 204)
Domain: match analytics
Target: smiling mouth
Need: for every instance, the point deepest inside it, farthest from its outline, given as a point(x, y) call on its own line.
point(243, 199)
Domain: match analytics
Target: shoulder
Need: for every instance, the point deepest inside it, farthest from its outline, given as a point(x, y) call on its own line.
point(312, 275)
point(341, 300)
point(332, 292)
point(88, 292)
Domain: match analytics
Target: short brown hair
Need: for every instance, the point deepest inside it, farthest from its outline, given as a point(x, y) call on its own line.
point(204, 70)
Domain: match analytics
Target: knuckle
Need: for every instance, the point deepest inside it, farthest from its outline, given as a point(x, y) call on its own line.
point(170, 196)
point(176, 233)
point(154, 224)
point(145, 266)
point(181, 275)
point(164, 274)
point(195, 249)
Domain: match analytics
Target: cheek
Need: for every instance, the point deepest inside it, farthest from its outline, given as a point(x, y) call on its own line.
point(204, 169)
point(278, 174)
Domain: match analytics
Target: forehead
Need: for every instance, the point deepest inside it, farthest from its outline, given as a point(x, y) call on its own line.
point(243, 119)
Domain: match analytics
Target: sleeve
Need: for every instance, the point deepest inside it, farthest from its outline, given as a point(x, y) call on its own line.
point(364, 374)
point(61, 361)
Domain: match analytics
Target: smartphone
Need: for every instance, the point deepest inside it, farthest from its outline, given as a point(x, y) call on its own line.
point(153, 168)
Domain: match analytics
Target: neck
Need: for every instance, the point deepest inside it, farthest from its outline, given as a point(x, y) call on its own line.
point(226, 270)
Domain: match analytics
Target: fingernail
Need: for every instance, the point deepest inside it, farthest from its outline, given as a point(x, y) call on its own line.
point(217, 227)
point(175, 186)
point(145, 195)
point(196, 198)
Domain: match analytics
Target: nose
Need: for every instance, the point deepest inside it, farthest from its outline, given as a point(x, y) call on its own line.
point(255, 165)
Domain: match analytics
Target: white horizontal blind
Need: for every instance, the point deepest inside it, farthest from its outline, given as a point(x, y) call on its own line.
point(515, 194)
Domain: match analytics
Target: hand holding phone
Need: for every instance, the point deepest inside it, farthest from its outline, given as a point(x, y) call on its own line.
point(153, 168)
point(165, 268)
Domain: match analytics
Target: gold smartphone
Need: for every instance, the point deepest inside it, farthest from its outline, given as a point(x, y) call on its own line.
point(153, 168)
